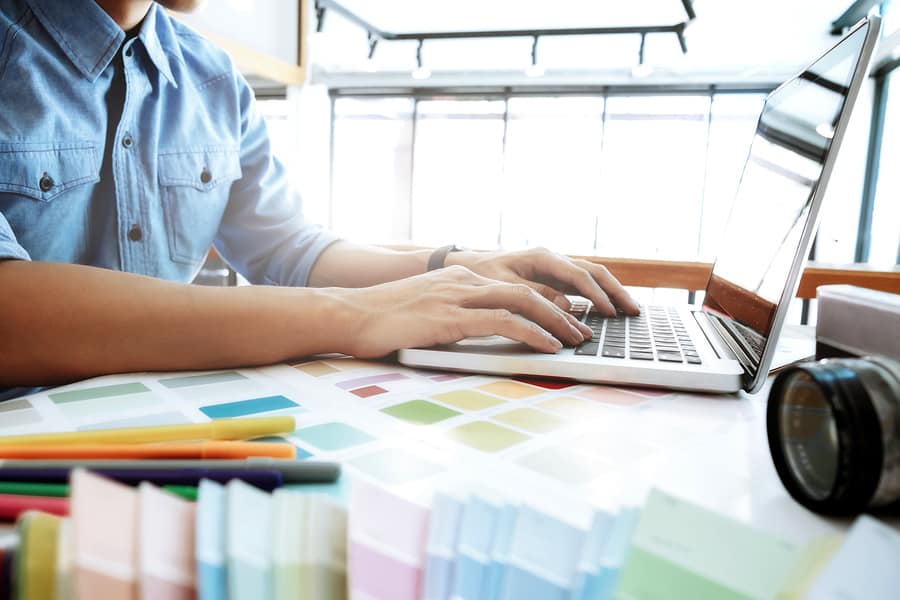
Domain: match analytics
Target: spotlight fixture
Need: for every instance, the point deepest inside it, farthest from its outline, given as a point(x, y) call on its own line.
point(534, 69)
point(375, 34)
point(641, 69)
point(421, 72)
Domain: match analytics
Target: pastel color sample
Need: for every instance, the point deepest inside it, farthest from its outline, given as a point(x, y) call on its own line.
point(211, 527)
point(395, 466)
point(511, 389)
point(333, 436)
point(468, 399)
point(316, 369)
point(204, 379)
point(420, 412)
point(486, 436)
point(530, 419)
point(166, 551)
point(249, 542)
point(243, 408)
point(611, 395)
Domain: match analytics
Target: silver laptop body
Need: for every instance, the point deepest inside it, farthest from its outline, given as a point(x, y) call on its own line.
point(727, 344)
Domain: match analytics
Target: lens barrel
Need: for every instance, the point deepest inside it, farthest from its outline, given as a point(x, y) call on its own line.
point(834, 433)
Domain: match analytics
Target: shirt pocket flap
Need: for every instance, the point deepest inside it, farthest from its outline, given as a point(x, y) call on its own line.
point(202, 169)
point(43, 171)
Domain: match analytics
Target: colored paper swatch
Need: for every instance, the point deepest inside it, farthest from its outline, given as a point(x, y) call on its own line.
point(395, 466)
point(599, 585)
point(572, 407)
point(864, 567)
point(384, 555)
point(166, 418)
point(498, 556)
point(325, 563)
point(14, 413)
point(591, 561)
point(486, 436)
point(248, 541)
point(350, 384)
point(542, 557)
point(242, 408)
point(104, 537)
point(440, 550)
point(530, 419)
point(166, 552)
point(368, 391)
point(333, 436)
point(563, 464)
point(105, 391)
point(511, 389)
point(420, 412)
point(205, 379)
point(107, 405)
point(703, 555)
point(65, 566)
point(811, 561)
point(36, 561)
point(611, 395)
point(476, 532)
point(468, 399)
point(211, 527)
point(289, 514)
point(316, 369)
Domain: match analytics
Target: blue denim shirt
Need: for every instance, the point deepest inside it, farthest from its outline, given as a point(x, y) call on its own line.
point(189, 165)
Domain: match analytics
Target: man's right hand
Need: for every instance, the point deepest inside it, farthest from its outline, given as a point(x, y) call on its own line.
point(446, 306)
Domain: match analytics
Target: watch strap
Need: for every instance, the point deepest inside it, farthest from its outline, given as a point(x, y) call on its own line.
point(437, 258)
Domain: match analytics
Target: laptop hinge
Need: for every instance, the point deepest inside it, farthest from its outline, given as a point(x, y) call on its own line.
point(723, 338)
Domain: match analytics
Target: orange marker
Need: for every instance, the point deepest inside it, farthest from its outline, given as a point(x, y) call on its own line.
point(216, 449)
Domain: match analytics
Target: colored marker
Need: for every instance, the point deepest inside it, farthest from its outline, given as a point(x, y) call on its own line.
point(61, 490)
point(262, 478)
point(11, 506)
point(292, 471)
point(221, 429)
point(197, 450)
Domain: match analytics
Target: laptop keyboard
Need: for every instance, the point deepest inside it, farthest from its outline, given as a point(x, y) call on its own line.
point(656, 334)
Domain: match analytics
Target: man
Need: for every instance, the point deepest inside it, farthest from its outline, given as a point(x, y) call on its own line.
point(128, 146)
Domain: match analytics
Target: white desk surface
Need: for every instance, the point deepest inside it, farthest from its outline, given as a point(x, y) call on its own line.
point(708, 449)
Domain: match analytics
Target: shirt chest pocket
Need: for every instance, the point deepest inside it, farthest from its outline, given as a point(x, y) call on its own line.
point(194, 189)
point(44, 171)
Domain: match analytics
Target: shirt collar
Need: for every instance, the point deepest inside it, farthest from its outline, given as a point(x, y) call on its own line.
point(83, 30)
point(90, 38)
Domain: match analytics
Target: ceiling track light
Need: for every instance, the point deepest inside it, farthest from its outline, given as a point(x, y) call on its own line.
point(534, 70)
point(375, 34)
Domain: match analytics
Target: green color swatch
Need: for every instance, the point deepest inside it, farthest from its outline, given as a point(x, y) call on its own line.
point(530, 420)
point(420, 412)
point(486, 436)
point(395, 466)
point(105, 391)
point(191, 380)
point(468, 399)
point(704, 555)
point(333, 436)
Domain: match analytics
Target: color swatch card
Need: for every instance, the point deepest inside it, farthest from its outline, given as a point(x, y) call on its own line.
point(36, 561)
point(604, 554)
point(249, 542)
point(682, 550)
point(309, 546)
point(386, 544)
point(476, 535)
point(865, 567)
point(440, 551)
point(210, 540)
point(166, 554)
point(104, 537)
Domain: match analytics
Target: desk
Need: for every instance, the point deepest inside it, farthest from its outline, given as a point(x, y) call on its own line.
point(565, 448)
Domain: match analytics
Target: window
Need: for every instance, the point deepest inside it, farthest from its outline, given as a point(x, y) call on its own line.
point(885, 241)
point(645, 175)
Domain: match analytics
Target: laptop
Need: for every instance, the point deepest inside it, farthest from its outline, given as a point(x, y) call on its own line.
point(729, 342)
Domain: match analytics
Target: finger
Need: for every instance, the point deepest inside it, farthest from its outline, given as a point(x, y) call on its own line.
point(580, 279)
point(614, 290)
point(523, 300)
point(560, 300)
point(477, 322)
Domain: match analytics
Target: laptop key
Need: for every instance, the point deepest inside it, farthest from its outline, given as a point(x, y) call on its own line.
point(641, 355)
point(693, 360)
point(611, 352)
point(588, 349)
point(669, 356)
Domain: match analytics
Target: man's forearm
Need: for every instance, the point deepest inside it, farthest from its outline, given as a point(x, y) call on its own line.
point(350, 265)
point(62, 322)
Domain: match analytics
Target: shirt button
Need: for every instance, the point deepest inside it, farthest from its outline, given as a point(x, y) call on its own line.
point(46, 183)
point(205, 176)
point(127, 141)
point(135, 234)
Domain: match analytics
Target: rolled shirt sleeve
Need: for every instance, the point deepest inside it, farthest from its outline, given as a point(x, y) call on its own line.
point(263, 233)
point(9, 246)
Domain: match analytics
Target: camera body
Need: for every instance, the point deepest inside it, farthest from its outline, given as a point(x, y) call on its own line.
point(834, 424)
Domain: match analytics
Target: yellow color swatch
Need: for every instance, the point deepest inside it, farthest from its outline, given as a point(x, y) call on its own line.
point(468, 399)
point(530, 419)
point(316, 369)
point(486, 437)
point(511, 389)
point(570, 406)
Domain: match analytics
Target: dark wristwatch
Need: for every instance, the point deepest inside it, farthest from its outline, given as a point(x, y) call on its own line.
point(437, 258)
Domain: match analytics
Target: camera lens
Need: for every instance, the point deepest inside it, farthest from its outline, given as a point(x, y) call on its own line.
point(834, 433)
point(809, 437)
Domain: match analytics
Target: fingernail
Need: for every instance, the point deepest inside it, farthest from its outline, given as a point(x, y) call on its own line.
point(576, 336)
point(555, 343)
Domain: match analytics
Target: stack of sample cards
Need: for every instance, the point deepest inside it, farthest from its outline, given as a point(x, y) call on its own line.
point(239, 542)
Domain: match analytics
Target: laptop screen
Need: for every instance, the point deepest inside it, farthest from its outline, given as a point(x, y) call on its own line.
point(748, 290)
